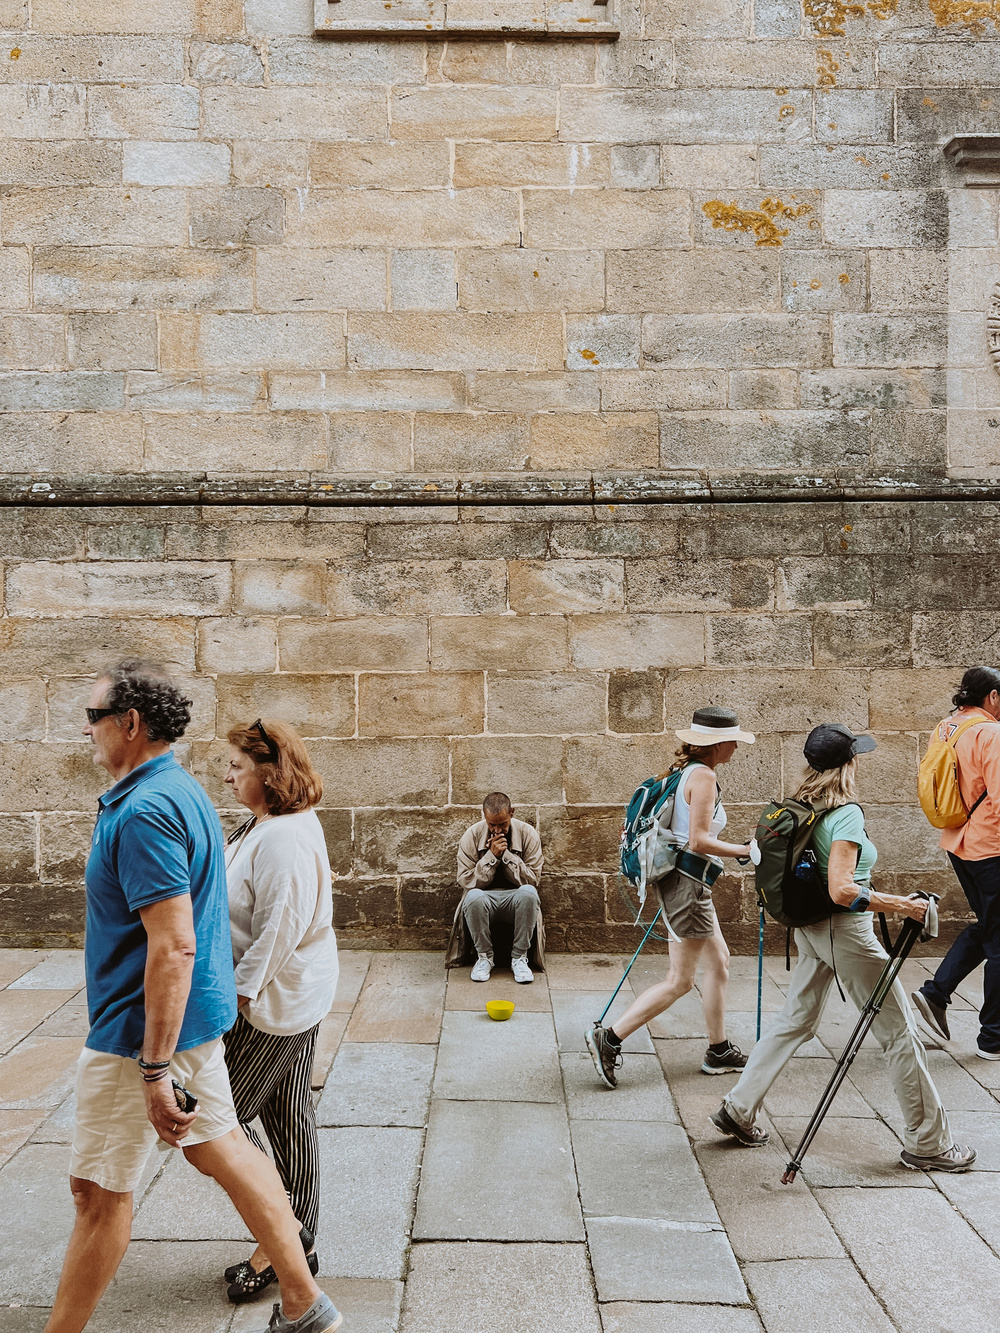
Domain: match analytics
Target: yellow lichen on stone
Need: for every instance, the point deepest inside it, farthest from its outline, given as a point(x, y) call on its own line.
point(826, 70)
point(829, 17)
point(971, 14)
point(760, 221)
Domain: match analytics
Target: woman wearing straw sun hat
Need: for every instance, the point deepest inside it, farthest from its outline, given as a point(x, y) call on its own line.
point(686, 896)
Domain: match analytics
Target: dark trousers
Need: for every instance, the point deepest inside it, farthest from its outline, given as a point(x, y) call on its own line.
point(271, 1077)
point(980, 881)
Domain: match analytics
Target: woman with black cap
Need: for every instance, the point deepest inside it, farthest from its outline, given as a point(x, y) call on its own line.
point(686, 899)
point(844, 945)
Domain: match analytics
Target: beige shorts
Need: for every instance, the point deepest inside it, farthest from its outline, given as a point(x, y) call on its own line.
point(687, 905)
point(112, 1137)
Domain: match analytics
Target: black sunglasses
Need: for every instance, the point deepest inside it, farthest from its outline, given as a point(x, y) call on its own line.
point(273, 753)
point(95, 714)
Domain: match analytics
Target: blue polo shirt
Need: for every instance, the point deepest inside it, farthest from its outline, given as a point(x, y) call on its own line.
point(157, 836)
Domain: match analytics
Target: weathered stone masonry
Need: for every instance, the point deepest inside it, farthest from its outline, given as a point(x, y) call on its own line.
point(483, 405)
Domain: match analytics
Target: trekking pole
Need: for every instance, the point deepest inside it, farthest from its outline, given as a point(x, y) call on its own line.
point(760, 970)
point(629, 968)
point(909, 934)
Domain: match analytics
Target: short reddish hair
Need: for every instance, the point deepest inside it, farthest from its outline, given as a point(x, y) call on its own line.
point(291, 784)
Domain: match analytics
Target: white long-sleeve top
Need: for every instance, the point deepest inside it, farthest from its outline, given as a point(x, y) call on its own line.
point(281, 917)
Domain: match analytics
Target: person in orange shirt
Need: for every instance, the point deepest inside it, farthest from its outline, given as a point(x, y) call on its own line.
point(974, 850)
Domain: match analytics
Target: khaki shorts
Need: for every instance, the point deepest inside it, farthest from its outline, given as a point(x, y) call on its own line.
point(112, 1137)
point(687, 905)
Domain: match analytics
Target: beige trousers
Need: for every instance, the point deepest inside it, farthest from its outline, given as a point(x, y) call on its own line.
point(860, 959)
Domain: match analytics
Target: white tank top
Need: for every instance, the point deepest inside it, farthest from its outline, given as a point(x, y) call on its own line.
point(680, 824)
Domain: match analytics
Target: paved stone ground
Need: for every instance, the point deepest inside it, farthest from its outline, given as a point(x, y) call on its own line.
point(479, 1180)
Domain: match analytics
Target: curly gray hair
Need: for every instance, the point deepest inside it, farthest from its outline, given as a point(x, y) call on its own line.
point(147, 687)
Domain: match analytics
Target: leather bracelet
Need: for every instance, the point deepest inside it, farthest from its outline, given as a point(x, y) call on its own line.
point(156, 1078)
point(153, 1064)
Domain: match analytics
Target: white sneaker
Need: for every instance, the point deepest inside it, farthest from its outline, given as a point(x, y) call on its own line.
point(522, 970)
point(482, 969)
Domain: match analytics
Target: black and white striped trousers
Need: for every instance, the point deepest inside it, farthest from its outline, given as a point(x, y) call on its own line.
point(271, 1077)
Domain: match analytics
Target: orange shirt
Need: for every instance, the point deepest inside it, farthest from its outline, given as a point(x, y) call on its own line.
point(978, 753)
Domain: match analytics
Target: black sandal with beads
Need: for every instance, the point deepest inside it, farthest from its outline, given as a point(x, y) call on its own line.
point(246, 1284)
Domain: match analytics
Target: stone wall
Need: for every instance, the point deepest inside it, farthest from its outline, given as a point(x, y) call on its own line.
point(430, 656)
point(372, 382)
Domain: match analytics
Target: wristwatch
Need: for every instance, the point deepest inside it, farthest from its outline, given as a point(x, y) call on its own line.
point(861, 903)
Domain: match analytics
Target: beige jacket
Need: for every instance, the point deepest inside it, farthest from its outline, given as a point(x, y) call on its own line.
point(478, 868)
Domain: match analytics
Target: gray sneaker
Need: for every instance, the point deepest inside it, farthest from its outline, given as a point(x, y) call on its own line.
point(952, 1159)
point(933, 1014)
point(606, 1056)
point(749, 1135)
point(321, 1317)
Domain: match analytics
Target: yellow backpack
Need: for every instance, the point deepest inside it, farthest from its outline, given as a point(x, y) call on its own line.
point(937, 783)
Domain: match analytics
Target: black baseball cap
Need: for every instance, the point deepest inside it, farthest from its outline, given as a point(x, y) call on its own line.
point(831, 744)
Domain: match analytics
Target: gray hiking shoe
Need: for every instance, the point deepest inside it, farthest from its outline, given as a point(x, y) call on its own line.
point(952, 1159)
point(749, 1135)
point(933, 1014)
point(321, 1317)
point(606, 1056)
point(729, 1061)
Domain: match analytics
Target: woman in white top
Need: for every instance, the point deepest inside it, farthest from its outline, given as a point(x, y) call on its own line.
point(686, 894)
point(285, 960)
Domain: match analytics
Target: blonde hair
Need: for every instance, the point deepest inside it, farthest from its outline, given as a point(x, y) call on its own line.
point(689, 754)
point(831, 788)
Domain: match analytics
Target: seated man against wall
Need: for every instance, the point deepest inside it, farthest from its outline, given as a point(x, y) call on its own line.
point(499, 865)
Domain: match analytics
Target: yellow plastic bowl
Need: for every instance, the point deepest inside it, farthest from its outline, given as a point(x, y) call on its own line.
point(499, 1010)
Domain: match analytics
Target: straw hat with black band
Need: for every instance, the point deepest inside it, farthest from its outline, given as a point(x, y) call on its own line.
point(712, 726)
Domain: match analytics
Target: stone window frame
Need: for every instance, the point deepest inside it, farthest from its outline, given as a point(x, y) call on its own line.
point(465, 18)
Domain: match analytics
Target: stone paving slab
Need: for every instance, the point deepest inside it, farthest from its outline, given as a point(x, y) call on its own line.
point(685, 1018)
point(975, 1195)
point(378, 1084)
point(16, 1127)
point(39, 1072)
point(57, 1127)
point(480, 1060)
point(959, 1276)
point(353, 964)
point(695, 1094)
point(69, 1020)
point(465, 994)
point(648, 1259)
point(369, 1305)
point(639, 1169)
point(21, 1011)
point(182, 1204)
point(585, 971)
point(797, 1090)
point(23, 1318)
point(402, 999)
point(328, 1039)
point(643, 1096)
point(764, 1219)
point(621, 1317)
point(34, 1188)
point(484, 1288)
point(982, 1131)
point(62, 969)
point(168, 1286)
point(498, 1171)
point(369, 1178)
point(850, 1152)
point(958, 1090)
point(575, 1011)
point(790, 1293)
point(15, 962)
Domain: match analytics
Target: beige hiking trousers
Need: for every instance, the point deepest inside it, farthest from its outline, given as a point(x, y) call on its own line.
point(860, 960)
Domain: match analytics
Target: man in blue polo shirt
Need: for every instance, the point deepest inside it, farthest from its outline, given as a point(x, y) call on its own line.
point(160, 993)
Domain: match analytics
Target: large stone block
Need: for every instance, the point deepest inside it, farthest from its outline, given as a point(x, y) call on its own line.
point(270, 162)
point(659, 219)
point(883, 390)
point(419, 341)
point(889, 340)
point(368, 391)
point(826, 583)
point(279, 588)
point(278, 342)
point(365, 903)
point(422, 704)
point(142, 277)
point(423, 280)
point(527, 392)
point(634, 642)
point(235, 218)
point(605, 770)
point(911, 700)
point(294, 61)
point(530, 164)
point(759, 640)
point(81, 59)
point(33, 342)
point(732, 340)
point(48, 777)
point(15, 277)
point(474, 540)
point(66, 162)
point(460, 442)
point(72, 391)
point(758, 64)
point(529, 280)
point(94, 217)
point(952, 638)
point(555, 587)
point(390, 166)
point(82, 646)
point(871, 219)
point(609, 341)
point(50, 111)
point(654, 115)
point(526, 643)
point(527, 768)
point(277, 441)
point(635, 701)
point(314, 705)
point(579, 838)
point(249, 534)
point(114, 16)
point(575, 441)
point(835, 167)
point(237, 643)
point(862, 639)
point(854, 116)
point(121, 588)
point(382, 772)
point(909, 279)
point(694, 281)
point(663, 390)
point(293, 113)
point(112, 342)
point(546, 704)
point(635, 530)
point(737, 531)
point(151, 113)
point(22, 710)
point(374, 643)
point(411, 842)
point(226, 62)
point(816, 280)
point(405, 218)
point(418, 587)
point(786, 439)
point(709, 585)
point(440, 112)
point(800, 698)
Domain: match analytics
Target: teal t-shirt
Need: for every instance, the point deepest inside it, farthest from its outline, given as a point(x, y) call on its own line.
point(845, 824)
